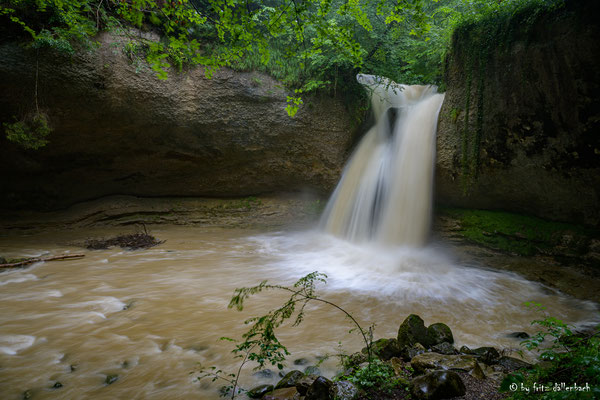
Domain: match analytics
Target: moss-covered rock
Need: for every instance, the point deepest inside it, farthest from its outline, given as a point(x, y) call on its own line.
point(412, 331)
point(384, 349)
point(520, 234)
point(439, 333)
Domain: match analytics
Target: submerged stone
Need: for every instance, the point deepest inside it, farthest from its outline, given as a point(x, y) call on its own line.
point(312, 370)
point(110, 379)
point(264, 373)
point(518, 335)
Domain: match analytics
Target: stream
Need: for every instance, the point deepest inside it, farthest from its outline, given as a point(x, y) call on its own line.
point(152, 318)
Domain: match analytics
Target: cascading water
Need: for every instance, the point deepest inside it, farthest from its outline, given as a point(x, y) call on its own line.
point(386, 188)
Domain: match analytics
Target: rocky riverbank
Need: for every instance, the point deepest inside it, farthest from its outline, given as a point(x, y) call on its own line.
point(420, 362)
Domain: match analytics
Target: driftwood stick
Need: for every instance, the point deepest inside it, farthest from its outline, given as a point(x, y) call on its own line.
point(34, 260)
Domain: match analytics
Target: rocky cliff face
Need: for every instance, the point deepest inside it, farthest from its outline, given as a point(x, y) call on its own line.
point(520, 126)
point(118, 130)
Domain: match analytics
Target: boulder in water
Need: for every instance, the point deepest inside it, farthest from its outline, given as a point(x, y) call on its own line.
point(439, 333)
point(412, 331)
point(312, 370)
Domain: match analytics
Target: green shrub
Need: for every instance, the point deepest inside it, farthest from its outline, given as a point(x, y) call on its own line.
point(570, 367)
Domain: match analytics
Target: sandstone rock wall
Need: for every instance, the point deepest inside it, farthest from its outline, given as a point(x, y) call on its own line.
point(531, 141)
point(119, 130)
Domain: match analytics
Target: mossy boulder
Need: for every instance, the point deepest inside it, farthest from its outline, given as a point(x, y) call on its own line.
point(412, 331)
point(438, 333)
point(384, 349)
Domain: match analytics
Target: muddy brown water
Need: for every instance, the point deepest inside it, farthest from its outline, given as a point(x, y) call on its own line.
point(153, 317)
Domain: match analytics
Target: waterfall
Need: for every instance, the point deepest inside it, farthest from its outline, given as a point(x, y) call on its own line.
point(385, 192)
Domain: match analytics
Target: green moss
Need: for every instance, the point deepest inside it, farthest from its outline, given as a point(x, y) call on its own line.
point(521, 234)
point(476, 40)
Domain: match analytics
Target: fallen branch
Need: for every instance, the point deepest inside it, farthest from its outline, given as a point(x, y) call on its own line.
point(34, 260)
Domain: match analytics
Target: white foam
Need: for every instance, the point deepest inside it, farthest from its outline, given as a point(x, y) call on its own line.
point(12, 344)
point(10, 278)
point(100, 305)
point(41, 295)
point(402, 274)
